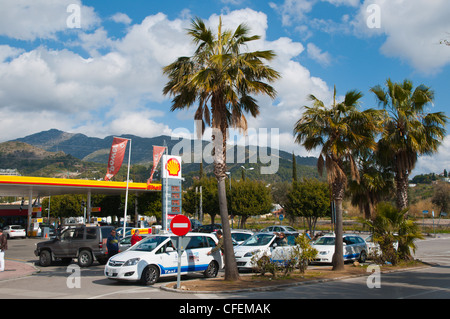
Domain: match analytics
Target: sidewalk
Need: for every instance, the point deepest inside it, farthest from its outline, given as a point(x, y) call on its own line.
point(16, 269)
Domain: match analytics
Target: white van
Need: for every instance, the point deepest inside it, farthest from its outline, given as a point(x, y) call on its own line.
point(156, 256)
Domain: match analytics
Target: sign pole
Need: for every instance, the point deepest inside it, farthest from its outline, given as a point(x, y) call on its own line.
point(179, 262)
point(180, 226)
point(126, 193)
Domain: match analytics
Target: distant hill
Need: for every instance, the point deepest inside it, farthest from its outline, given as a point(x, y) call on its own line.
point(30, 160)
point(97, 150)
point(79, 151)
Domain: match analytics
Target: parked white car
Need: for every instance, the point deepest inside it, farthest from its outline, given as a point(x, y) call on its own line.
point(279, 228)
point(373, 248)
point(156, 256)
point(355, 248)
point(14, 231)
point(259, 244)
point(240, 235)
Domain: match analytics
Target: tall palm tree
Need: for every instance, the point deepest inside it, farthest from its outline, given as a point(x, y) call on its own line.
point(220, 78)
point(340, 131)
point(409, 131)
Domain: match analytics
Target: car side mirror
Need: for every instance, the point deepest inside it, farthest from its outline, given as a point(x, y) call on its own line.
point(169, 249)
point(274, 245)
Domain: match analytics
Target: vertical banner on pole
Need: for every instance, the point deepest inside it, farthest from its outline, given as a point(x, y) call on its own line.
point(158, 151)
point(116, 155)
point(171, 188)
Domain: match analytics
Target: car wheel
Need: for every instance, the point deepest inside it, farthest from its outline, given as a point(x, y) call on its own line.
point(150, 275)
point(362, 257)
point(212, 270)
point(45, 258)
point(85, 258)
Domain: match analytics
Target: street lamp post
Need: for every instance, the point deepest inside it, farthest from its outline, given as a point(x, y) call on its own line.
point(246, 169)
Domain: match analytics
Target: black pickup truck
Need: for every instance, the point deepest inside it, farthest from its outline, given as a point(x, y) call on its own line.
point(86, 243)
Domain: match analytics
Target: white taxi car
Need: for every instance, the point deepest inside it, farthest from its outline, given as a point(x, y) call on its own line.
point(271, 244)
point(156, 256)
point(355, 248)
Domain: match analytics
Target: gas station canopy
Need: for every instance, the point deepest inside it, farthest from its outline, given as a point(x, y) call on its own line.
point(39, 186)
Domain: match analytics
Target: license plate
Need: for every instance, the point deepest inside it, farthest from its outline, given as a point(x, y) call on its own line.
point(111, 274)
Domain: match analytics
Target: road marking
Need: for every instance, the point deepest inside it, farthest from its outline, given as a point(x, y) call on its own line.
point(128, 291)
point(445, 289)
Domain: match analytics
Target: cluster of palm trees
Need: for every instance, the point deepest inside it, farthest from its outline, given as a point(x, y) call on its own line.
point(221, 78)
point(373, 147)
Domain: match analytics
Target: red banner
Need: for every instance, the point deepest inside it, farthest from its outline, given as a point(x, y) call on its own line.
point(158, 152)
point(116, 155)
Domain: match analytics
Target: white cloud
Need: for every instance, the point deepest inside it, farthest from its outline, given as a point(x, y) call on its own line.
point(121, 18)
point(293, 10)
point(435, 163)
point(7, 52)
point(52, 81)
point(118, 87)
point(413, 31)
point(137, 123)
point(41, 19)
point(315, 53)
point(351, 3)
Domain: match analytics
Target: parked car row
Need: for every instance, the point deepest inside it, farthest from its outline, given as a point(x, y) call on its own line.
point(156, 255)
point(279, 247)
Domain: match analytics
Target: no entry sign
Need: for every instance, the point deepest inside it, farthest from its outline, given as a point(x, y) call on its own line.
point(180, 225)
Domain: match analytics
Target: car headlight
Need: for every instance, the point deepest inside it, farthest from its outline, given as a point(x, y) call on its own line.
point(132, 262)
point(251, 253)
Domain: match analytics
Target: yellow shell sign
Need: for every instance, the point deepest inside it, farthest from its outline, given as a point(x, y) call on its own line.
point(173, 167)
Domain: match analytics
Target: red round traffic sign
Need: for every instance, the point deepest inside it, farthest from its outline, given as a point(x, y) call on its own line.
point(180, 225)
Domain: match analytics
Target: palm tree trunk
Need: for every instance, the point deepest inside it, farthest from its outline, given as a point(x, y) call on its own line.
point(231, 271)
point(338, 257)
point(219, 143)
point(402, 181)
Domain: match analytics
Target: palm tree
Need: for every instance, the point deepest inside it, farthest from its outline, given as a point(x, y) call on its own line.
point(391, 226)
point(221, 78)
point(408, 130)
point(341, 131)
point(376, 184)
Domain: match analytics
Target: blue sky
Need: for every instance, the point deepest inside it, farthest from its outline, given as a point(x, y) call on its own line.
point(103, 77)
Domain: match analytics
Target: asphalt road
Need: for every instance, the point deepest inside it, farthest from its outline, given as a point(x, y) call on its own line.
point(59, 282)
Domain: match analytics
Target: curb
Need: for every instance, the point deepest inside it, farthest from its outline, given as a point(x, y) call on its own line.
point(282, 286)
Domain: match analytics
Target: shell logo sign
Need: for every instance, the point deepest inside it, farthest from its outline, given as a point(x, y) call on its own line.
point(172, 166)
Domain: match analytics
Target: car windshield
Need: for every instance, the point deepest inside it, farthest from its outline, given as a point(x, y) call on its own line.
point(149, 244)
point(324, 241)
point(291, 229)
point(258, 240)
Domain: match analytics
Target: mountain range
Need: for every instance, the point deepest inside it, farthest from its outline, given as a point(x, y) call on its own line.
point(81, 151)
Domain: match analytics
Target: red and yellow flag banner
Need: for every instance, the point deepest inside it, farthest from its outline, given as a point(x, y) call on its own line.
point(116, 155)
